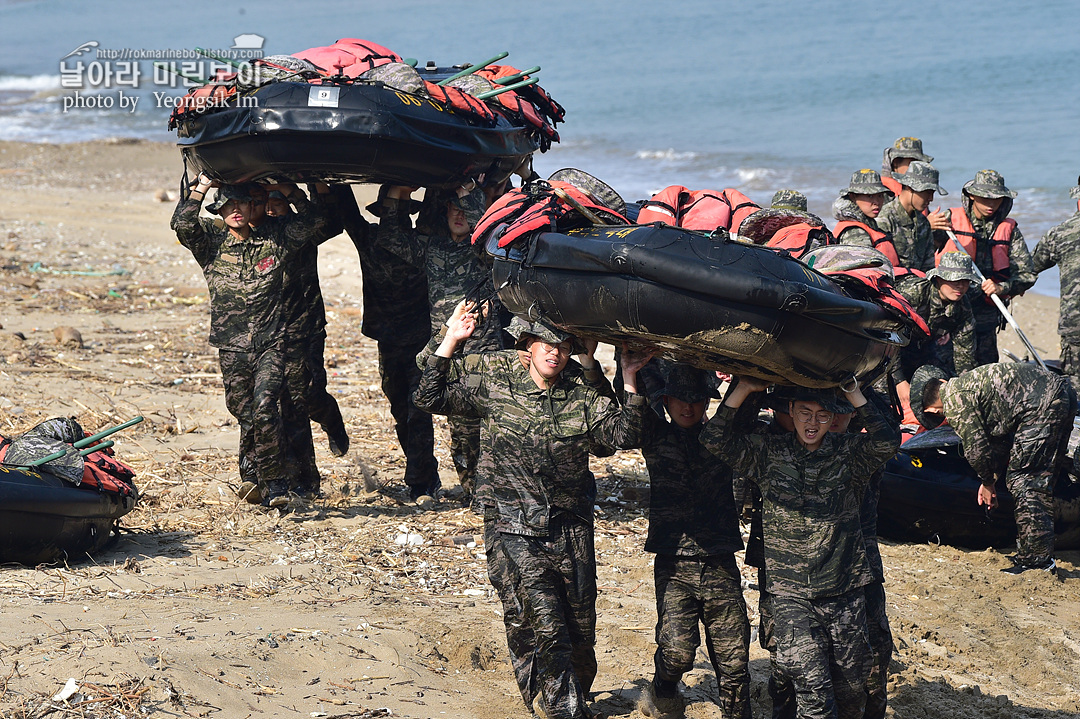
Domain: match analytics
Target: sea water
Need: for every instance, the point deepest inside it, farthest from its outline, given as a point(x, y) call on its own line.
point(752, 95)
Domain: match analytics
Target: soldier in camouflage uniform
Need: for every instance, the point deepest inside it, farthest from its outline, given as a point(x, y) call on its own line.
point(396, 316)
point(306, 398)
point(441, 247)
point(860, 202)
point(694, 531)
point(1013, 421)
point(519, 635)
point(903, 218)
point(788, 200)
point(941, 300)
point(1061, 246)
point(987, 202)
point(812, 484)
point(245, 275)
point(539, 425)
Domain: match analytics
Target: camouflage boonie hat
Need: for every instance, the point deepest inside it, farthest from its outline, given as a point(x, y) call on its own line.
point(921, 176)
point(226, 193)
point(521, 330)
point(905, 147)
point(864, 182)
point(954, 267)
point(988, 183)
point(779, 399)
point(922, 377)
point(845, 258)
point(397, 76)
point(597, 189)
point(473, 205)
point(689, 384)
point(829, 400)
point(788, 200)
point(1075, 194)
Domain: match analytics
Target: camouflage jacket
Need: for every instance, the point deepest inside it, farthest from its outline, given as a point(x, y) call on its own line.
point(1061, 246)
point(811, 500)
point(537, 441)
point(911, 235)
point(1021, 275)
point(245, 277)
point(987, 405)
point(452, 269)
point(691, 506)
point(305, 313)
point(952, 318)
point(395, 291)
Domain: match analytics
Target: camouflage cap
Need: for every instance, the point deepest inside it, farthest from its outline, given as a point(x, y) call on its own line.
point(988, 183)
point(864, 182)
point(789, 200)
point(921, 176)
point(905, 147)
point(922, 377)
point(472, 204)
point(779, 399)
point(521, 330)
point(689, 384)
point(240, 193)
point(597, 189)
point(829, 400)
point(1075, 194)
point(954, 267)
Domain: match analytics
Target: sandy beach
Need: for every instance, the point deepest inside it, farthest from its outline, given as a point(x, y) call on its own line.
point(206, 607)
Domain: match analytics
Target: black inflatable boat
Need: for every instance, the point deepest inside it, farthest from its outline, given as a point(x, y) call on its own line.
point(928, 494)
point(710, 301)
point(355, 132)
point(44, 518)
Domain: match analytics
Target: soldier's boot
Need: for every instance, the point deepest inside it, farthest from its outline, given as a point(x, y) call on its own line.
point(337, 436)
point(1019, 567)
point(275, 494)
point(660, 707)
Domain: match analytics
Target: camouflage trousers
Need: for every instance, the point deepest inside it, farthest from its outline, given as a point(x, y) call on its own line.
point(415, 432)
point(254, 387)
point(465, 449)
point(823, 646)
point(881, 643)
point(986, 348)
point(781, 690)
point(1070, 363)
point(519, 636)
point(706, 590)
point(554, 578)
point(294, 412)
point(1039, 452)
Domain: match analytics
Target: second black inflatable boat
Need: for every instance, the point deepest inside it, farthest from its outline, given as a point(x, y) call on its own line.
point(713, 302)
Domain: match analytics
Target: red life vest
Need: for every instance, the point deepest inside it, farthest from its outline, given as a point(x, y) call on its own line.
point(702, 210)
point(892, 183)
point(348, 56)
point(965, 233)
point(528, 209)
point(883, 292)
point(536, 94)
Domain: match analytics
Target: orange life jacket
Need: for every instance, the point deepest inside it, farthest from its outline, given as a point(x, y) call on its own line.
point(882, 242)
point(798, 238)
point(892, 183)
point(965, 233)
point(460, 102)
point(349, 57)
point(702, 210)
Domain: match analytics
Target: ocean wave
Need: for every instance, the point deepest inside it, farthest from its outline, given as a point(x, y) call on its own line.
point(749, 175)
point(29, 83)
point(669, 154)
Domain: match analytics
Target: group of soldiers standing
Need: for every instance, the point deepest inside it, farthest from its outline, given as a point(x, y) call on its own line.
point(524, 418)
